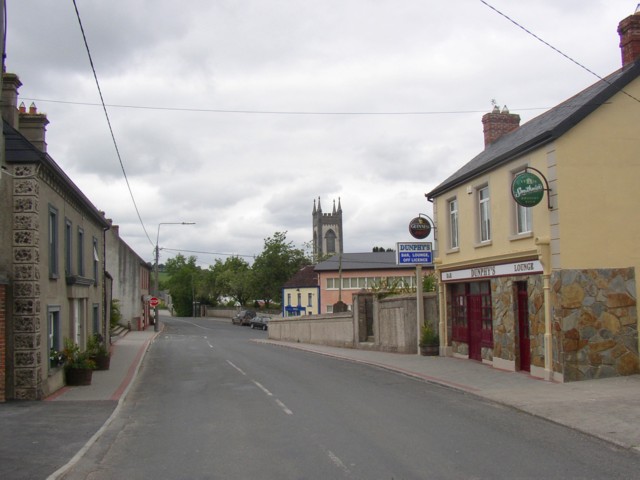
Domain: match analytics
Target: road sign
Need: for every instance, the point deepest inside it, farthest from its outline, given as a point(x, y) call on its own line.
point(153, 301)
point(414, 253)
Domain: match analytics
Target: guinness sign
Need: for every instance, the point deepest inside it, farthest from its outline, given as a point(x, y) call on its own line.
point(419, 228)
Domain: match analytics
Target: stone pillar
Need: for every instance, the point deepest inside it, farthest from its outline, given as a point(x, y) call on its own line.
point(27, 359)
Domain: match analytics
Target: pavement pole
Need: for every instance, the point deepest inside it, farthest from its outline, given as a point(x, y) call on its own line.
point(419, 306)
point(156, 318)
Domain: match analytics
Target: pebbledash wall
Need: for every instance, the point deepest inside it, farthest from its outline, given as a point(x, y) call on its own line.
point(594, 322)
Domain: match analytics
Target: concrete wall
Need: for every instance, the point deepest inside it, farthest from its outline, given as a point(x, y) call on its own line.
point(394, 325)
point(335, 330)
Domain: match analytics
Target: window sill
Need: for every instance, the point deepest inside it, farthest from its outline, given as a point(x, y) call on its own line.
point(520, 236)
point(453, 250)
point(488, 243)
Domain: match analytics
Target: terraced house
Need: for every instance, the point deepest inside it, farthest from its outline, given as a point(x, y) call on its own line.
point(548, 288)
point(51, 255)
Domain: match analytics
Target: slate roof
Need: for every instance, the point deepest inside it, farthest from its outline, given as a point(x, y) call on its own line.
point(305, 277)
point(361, 261)
point(543, 129)
point(20, 150)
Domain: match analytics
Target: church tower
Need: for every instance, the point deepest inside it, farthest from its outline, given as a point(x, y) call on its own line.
point(327, 230)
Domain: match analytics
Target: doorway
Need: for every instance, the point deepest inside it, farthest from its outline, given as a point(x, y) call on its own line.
point(524, 341)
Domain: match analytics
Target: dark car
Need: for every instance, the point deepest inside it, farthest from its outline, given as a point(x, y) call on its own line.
point(260, 322)
point(243, 317)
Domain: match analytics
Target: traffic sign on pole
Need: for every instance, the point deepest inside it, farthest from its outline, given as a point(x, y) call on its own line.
point(153, 302)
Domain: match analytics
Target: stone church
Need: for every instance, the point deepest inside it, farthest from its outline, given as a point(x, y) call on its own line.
point(328, 236)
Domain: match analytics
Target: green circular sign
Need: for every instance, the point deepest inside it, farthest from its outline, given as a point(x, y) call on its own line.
point(527, 189)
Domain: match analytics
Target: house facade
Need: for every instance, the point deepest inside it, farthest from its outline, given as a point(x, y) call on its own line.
point(301, 294)
point(53, 251)
point(130, 281)
point(344, 274)
point(548, 288)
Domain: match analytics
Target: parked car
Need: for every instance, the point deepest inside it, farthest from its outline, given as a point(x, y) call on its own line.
point(260, 322)
point(243, 317)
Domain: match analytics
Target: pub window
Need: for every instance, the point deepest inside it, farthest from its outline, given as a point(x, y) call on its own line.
point(453, 223)
point(484, 214)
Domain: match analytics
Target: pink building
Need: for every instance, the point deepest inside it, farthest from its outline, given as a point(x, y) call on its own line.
point(345, 274)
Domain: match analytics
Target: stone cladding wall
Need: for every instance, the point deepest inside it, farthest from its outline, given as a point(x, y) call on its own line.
point(595, 323)
point(27, 361)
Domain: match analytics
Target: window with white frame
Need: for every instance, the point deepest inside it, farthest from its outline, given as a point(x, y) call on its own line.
point(309, 299)
point(96, 260)
point(523, 215)
point(453, 223)
point(484, 214)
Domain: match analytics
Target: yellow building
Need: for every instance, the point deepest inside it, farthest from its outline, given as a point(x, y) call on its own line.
point(301, 294)
point(548, 288)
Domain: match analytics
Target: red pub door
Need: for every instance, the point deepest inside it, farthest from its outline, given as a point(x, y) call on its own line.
point(524, 342)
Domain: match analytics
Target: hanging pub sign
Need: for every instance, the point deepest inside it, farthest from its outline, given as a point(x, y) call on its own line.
point(527, 189)
point(419, 228)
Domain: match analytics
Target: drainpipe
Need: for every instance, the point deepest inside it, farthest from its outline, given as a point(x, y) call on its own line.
point(544, 254)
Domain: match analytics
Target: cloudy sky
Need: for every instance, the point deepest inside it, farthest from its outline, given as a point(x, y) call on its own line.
point(237, 114)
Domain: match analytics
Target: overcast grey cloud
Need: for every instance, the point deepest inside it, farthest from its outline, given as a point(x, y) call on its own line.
point(188, 86)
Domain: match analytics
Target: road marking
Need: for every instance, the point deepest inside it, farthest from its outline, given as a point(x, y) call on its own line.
point(259, 385)
point(284, 407)
point(337, 462)
point(236, 367)
point(209, 343)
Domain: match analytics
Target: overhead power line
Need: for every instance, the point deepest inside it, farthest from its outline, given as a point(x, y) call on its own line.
point(529, 32)
point(106, 114)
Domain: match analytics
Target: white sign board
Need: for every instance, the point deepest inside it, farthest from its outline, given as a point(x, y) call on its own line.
point(487, 271)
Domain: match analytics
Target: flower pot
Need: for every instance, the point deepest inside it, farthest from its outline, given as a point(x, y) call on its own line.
point(78, 376)
point(102, 362)
point(429, 350)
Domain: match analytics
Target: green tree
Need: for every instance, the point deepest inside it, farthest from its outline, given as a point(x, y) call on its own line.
point(233, 278)
point(183, 282)
point(276, 264)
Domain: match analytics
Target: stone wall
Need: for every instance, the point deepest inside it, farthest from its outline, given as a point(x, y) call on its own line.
point(595, 323)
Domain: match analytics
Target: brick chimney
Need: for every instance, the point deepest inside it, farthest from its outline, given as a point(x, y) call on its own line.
point(498, 123)
point(629, 31)
point(10, 85)
point(33, 126)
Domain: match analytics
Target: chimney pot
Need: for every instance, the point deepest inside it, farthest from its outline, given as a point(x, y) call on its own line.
point(22, 108)
point(33, 109)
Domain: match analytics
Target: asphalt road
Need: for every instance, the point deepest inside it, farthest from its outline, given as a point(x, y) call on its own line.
point(211, 404)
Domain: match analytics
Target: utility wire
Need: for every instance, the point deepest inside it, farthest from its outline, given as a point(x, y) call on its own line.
point(271, 112)
point(106, 114)
point(554, 48)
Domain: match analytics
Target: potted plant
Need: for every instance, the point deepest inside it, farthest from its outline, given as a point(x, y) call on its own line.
point(97, 350)
point(78, 365)
point(429, 341)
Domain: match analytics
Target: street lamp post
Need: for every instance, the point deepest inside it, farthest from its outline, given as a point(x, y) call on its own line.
point(156, 323)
